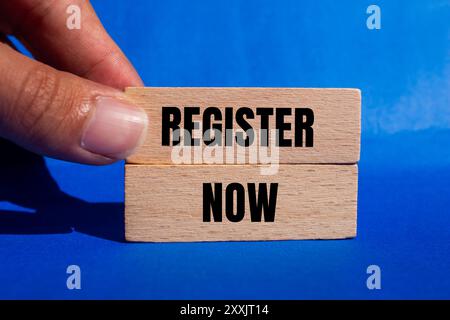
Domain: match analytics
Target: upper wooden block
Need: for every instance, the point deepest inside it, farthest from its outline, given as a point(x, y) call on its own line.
point(316, 125)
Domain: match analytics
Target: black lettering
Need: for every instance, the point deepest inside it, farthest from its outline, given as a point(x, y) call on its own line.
point(248, 113)
point(240, 204)
point(264, 114)
point(264, 203)
point(168, 124)
point(228, 126)
point(212, 201)
point(304, 126)
point(283, 126)
point(190, 125)
point(207, 127)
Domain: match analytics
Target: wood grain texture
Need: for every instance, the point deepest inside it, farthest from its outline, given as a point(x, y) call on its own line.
point(336, 118)
point(164, 203)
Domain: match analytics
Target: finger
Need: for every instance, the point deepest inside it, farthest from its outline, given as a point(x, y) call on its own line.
point(64, 116)
point(88, 52)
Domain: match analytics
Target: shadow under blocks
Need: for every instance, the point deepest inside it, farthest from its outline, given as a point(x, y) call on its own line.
point(26, 181)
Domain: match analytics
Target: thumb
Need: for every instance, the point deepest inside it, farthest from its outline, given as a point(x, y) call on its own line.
point(63, 116)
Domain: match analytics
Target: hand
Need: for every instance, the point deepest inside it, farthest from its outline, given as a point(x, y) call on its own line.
point(69, 104)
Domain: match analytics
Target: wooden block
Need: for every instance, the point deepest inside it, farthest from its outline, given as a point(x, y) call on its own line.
point(166, 203)
point(324, 123)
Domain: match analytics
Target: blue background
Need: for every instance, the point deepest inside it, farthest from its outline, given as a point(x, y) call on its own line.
point(53, 213)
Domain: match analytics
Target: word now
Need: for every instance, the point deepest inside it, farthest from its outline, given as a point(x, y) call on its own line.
point(213, 121)
point(212, 202)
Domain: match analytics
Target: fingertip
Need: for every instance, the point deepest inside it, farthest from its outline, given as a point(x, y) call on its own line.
point(115, 129)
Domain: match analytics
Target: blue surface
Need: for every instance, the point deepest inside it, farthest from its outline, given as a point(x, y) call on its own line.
point(404, 183)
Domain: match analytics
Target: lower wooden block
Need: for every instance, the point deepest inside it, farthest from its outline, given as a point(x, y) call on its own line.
point(168, 203)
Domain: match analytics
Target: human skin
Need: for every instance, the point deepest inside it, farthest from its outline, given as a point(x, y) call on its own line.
point(68, 102)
